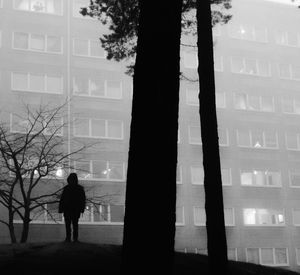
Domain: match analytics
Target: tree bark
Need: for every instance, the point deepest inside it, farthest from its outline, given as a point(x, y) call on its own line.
point(149, 227)
point(11, 227)
point(215, 225)
point(25, 229)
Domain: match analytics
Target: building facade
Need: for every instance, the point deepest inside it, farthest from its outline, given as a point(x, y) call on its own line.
point(52, 53)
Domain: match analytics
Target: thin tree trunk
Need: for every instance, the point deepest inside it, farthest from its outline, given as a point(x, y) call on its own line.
point(215, 226)
point(11, 228)
point(25, 229)
point(149, 228)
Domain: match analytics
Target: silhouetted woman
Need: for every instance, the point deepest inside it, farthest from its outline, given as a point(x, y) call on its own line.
point(72, 203)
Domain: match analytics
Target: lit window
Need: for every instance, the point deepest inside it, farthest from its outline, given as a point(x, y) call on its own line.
point(248, 66)
point(240, 101)
point(298, 256)
point(191, 60)
point(100, 170)
point(195, 135)
point(260, 178)
point(197, 175)
point(263, 217)
point(257, 139)
point(102, 213)
point(42, 6)
point(96, 87)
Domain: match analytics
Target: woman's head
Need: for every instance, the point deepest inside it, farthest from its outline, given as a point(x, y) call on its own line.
point(72, 179)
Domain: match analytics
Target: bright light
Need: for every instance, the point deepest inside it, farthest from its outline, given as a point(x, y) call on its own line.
point(59, 172)
point(257, 145)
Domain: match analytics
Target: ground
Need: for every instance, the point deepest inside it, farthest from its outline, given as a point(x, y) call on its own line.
point(84, 258)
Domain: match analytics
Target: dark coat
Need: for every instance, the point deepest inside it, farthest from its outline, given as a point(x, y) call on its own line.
point(72, 200)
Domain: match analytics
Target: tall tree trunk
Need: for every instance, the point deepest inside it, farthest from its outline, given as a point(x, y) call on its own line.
point(215, 226)
point(25, 229)
point(149, 227)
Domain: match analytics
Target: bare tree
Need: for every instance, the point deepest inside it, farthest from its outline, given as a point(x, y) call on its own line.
point(33, 160)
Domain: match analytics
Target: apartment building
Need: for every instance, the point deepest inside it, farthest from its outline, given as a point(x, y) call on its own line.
point(52, 54)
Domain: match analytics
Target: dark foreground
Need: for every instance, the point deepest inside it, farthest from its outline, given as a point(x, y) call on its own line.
point(85, 258)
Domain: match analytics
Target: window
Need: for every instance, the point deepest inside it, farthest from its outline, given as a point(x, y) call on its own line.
point(247, 102)
point(94, 87)
point(0, 38)
point(20, 125)
point(223, 137)
point(1, 3)
point(257, 139)
point(290, 105)
point(294, 178)
point(180, 215)
point(226, 176)
point(98, 128)
point(220, 100)
point(296, 217)
point(192, 97)
point(200, 216)
point(41, 6)
point(197, 175)
point(88, 48)
point(250, 33)
point(248, 66)
point(190, 60)
point(77, 5)
point(195, 135)
point(288, 71)
point(263, 217)
point(179, 175)
point(267, 256)
point(292, 141)
point(263, 178)
point(284, 38)
point(101, 170)
point(298, 256)
point(37, 83)
point(232, 254)
point(218, 63)
point(47, 213)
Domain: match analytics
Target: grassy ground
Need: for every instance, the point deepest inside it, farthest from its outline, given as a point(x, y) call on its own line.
point(84, 258)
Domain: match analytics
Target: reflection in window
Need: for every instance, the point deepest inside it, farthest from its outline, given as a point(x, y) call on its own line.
point(290, 105)
point(248, 66)
point(257, 138)
point(294, 178)
point(180, 215)
point(191, 60)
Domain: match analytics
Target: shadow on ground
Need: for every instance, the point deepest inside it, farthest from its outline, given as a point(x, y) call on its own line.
point(84, 258)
